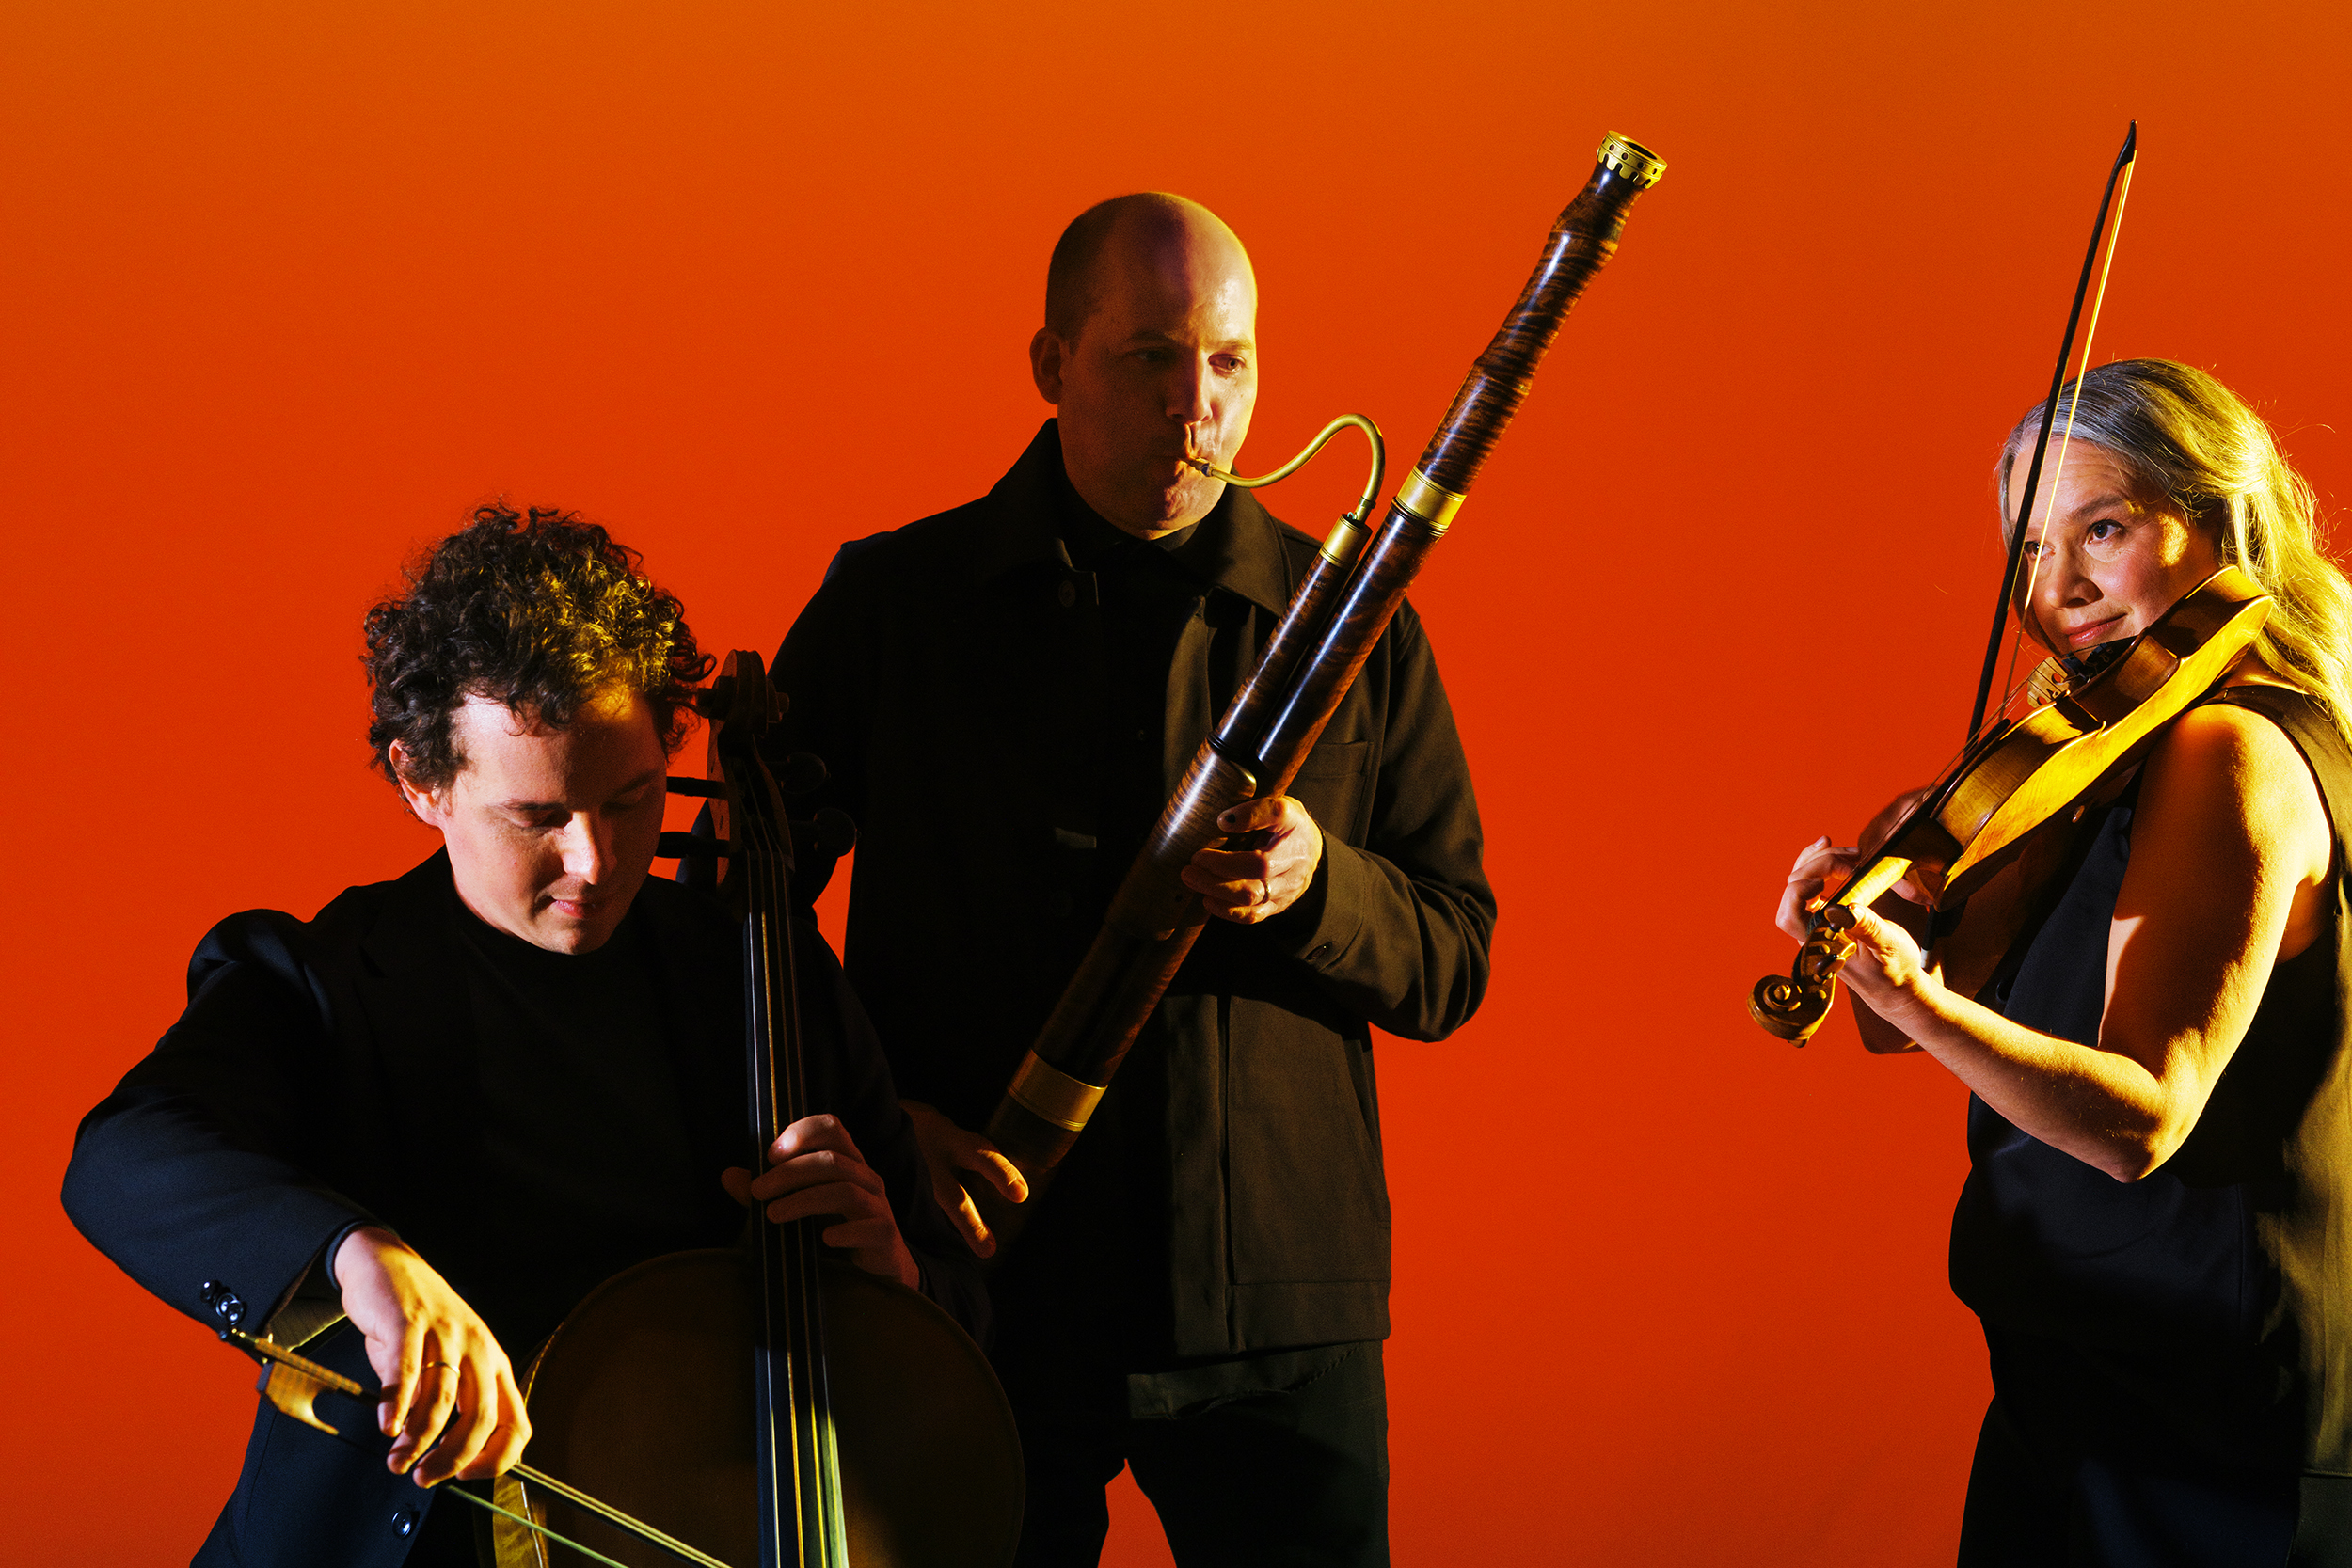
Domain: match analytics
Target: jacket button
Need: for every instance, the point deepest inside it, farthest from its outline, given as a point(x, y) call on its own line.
point(225, 1304)
point(1067, 593)
point(1321, 951)
point(404, 1523)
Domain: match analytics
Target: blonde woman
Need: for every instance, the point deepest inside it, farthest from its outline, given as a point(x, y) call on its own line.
point(2157, 1229)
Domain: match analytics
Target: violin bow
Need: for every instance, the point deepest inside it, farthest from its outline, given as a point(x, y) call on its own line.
point(2120, 175)
point(292, 1382)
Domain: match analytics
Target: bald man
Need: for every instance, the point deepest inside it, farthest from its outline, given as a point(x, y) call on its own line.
point(1005, 693)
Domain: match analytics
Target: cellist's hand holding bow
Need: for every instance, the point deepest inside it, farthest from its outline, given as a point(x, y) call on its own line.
point(814, 1168)
point(443, 1373)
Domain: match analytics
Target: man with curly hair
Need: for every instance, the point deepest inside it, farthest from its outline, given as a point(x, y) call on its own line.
point(413, 1132)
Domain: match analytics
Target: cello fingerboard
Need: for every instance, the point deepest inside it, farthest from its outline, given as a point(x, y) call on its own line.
point(802, 1523)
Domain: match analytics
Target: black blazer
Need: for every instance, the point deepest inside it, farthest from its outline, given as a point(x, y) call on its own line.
point(319, 1078)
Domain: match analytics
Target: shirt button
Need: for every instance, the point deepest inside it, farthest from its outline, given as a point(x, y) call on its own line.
point(1067, 593)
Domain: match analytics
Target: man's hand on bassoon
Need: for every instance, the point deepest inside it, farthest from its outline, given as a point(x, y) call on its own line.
point(1246, 886)
point(947, 1151)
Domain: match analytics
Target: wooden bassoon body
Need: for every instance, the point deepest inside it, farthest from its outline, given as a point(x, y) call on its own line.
point(1322, 641)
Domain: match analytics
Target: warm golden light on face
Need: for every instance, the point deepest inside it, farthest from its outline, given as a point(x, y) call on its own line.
point(1164, 369)
point(551, 831)
point(2102, 562)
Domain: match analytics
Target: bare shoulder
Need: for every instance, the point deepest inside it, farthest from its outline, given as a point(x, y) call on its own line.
point(2228, 771)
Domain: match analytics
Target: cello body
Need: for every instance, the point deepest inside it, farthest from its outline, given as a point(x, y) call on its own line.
point(642, 1396)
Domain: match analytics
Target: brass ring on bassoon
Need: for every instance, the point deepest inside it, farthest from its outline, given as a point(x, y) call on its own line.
point(1433, 504)
point(1048, 1092)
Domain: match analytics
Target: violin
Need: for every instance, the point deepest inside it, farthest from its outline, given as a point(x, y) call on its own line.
point(2025, 778)
point(752, 1407)
point(2023, 775)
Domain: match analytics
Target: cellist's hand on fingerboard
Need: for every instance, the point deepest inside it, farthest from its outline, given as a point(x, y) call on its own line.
point(815, 1171)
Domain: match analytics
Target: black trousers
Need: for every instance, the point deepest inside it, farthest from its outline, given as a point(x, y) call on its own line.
point(1295, 1478)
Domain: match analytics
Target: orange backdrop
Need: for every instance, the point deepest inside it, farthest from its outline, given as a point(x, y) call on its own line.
point(289, 288)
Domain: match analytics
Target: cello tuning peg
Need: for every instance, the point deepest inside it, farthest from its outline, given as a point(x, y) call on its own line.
point(829, 831)
point(713, 701)
point(802, 771)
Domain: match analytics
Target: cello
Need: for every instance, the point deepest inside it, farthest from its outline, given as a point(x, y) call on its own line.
point(774, 1405)
point(767, 1406)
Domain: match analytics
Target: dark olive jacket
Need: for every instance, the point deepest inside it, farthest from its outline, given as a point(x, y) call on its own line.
point(952, 676)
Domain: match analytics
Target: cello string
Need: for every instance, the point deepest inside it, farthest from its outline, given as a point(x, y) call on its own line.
point(779, 1441)
point(644, 1532)
point(817, 1525)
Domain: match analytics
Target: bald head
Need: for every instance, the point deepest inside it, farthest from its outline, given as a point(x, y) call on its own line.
point(1111, 236)
point(1150, 353)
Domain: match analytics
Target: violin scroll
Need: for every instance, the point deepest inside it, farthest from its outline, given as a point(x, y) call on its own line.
point(1790, 1007)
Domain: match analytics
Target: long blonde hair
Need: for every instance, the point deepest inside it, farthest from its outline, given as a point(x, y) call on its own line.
point(2189, 442)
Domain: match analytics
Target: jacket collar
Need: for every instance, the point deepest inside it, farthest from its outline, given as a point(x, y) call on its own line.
point(411, 931)
point(1238, 547)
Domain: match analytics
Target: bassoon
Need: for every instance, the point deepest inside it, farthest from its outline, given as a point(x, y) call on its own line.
point(1324, 638)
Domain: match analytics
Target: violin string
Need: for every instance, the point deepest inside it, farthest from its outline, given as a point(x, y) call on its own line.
point(2023, 607)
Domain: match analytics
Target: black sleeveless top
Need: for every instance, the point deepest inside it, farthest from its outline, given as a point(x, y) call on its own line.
point(2213, 1295)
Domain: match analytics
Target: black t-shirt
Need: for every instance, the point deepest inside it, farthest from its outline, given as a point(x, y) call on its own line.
point(582, 1147)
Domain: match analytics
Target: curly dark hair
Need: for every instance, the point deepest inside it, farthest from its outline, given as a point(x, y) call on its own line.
point(542, 613)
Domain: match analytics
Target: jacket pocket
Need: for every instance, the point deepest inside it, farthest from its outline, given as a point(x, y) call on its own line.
point(1330, 785)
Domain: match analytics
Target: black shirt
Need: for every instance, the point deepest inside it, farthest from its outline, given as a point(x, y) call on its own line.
point(1108, 1314)
point(581, 1152)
